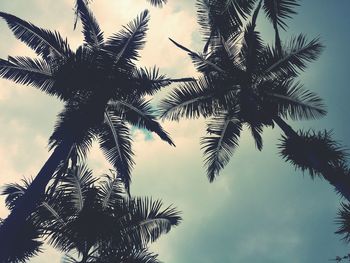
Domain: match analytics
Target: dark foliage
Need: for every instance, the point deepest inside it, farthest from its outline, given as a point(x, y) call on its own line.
point(243, 76)
point(99, 83)
point(103, 93)
point(312, 151)
point(27, 246)
point(98, 221)
point(279, 10)
point(343, 220)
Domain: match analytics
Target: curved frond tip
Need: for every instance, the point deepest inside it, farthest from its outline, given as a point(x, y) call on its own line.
point(224, 133)
point(44, 42)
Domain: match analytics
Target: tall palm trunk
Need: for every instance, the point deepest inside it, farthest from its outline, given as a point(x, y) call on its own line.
point(341, 182)
point(13, 224)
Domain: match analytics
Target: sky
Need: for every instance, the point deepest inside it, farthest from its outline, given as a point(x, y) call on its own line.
point(260, 209)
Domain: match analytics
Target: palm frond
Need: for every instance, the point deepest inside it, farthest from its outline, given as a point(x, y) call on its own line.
point(222, 18)
point(139, 113)
point(76, 184)
point(148, 222)
point(14, 192)
point(192, 100)
point(115, 142)
point(149, 81)
point(343, 220)
point(252, 46)
point(251, 49)
point(125, 44)
point(111, 190)
point(224, 130)
point(43, 42)
point(296, 102)
point(53, 213)
point(143, 256)
point(158, 3)
point(231, 50)
point(240, 9)
point(279, 10)
point(294, 57)
point(256, 131)
point(28, 71)
point(202, 64)
point(91, 29)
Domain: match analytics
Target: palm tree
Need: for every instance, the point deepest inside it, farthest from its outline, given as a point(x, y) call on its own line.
point(93, 222)
point(102, 90)
point(247, 82)
point(225, 18)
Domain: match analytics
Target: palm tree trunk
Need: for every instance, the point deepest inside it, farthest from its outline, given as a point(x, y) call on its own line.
point(341, 182)
point(288, 130)
point(11, 229)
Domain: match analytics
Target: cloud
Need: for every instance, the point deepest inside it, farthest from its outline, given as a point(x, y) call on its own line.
point(258, 210)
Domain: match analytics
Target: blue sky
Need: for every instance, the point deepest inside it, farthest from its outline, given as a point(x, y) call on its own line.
point(260, 209)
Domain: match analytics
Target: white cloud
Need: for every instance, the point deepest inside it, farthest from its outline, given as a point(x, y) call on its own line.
point(253, 184)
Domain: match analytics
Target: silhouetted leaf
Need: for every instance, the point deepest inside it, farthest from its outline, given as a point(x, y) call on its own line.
point(111, 191)
point(158, 3)
point(296, 102)
point(14, 192)
point(125, 44)
point(76, 184)
point(199, 60)
point(115, 142)
point(148, 222)
point(294, 57)
point(279, 10)
point(139, 113)
point(256, 131)
point(190, 100)
point(224, 132)
point(91, 30)
point(28, 71)
point(343, 220)
point(143, 256)
point(43, 42)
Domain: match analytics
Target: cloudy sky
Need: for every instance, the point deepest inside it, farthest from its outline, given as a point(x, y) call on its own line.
point(260, 209)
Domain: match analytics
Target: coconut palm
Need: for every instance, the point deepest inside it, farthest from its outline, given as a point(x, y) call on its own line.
point(247, 82)
point(93, 222)
point(103, 93)
point(225, 18)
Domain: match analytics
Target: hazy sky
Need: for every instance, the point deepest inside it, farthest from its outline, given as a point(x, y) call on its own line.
point(260, 209)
